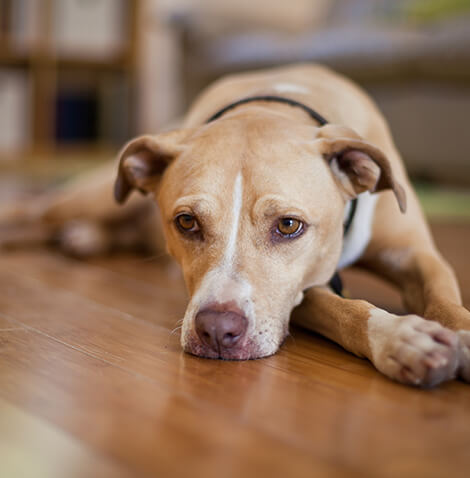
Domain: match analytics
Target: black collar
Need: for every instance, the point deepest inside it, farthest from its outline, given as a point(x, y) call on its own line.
point(310, 111)
point(278, 99)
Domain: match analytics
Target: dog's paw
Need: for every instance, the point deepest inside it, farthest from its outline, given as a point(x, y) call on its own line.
point(464, 354)
point(83, 239)
point(413, 350)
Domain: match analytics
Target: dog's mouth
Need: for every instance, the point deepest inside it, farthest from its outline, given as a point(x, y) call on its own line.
point(246, 350)
point(223, 331)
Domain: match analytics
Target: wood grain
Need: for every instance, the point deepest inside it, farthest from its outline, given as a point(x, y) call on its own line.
point(93, 382)
point(33, 448)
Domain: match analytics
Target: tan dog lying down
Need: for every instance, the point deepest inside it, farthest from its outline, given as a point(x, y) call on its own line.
point(253, 206)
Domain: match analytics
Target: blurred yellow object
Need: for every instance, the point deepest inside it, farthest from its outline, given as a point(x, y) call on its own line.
point(428, 10)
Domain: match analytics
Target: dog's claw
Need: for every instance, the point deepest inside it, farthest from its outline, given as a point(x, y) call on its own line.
point(419, 352)
point(464, 355)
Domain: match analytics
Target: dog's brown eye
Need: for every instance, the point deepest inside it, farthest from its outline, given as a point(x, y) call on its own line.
point(187, 223)
point(289, 226)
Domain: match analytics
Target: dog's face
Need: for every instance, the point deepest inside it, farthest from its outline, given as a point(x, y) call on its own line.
point(253, 212)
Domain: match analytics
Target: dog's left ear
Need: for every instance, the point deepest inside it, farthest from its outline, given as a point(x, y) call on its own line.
point(357, 165)
point(143, 160)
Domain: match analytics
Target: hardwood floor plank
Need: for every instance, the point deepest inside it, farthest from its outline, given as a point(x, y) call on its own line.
point(163, 304)
point(305, 396)
point(143, 268)
point(33, 448)
point(6, 324)
point(135, 421)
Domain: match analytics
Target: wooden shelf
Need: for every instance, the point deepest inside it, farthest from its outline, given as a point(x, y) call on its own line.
point(9, 59)
point(119, 63)
point(48, 71)
point(12, 59)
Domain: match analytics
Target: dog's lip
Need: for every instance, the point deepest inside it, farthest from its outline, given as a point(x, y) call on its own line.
point(228, 358)
point(248, 350)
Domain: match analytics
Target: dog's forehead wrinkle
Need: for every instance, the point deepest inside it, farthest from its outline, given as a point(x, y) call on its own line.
point(196, 202)
point(269, 204)
point(216, 156)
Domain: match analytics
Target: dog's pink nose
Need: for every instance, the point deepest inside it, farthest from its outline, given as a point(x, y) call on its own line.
point(220, 329)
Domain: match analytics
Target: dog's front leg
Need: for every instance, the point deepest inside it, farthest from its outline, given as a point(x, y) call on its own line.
point(408, 349)
point(429, 288)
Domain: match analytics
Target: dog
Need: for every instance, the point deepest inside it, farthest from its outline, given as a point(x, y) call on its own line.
point(276, 180)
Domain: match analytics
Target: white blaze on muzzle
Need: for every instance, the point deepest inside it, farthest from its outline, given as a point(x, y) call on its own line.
point(222, 284)
point(237, 202)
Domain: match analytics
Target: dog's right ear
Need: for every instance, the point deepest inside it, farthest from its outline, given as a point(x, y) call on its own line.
point(143, 160)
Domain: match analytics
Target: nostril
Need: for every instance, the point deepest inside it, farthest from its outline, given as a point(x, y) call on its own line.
point(205, 323)
point(218, 329)
point(206, 337)
point(230, 339)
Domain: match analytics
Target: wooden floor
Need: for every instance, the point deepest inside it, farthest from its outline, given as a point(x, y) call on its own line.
point(93, 384)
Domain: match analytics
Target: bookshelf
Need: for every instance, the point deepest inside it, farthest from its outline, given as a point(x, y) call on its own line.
point(68, 71)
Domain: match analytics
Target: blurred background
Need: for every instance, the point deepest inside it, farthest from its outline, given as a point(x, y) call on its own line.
point(80, 77)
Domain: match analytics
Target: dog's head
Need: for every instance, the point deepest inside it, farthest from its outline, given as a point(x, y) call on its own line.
point(253, 211)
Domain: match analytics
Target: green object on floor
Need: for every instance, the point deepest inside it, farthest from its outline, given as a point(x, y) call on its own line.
point(443, 203)
point(429, 10)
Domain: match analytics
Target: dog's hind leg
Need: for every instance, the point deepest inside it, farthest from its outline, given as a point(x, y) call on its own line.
point(408, 348)
point(81, 216)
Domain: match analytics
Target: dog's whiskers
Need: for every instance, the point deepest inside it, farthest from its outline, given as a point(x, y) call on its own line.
point(155, 257)
point(176, 329)
point(178, 324)
point(152, 258)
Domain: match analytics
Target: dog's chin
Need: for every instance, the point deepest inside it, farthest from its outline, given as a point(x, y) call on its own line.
point(249, 350)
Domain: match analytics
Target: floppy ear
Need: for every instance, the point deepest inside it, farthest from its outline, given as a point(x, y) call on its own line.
point(143, 160)
point(357, 165)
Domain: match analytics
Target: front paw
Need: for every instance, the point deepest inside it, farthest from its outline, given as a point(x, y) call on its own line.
point(464, 355)
point(413, 350)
